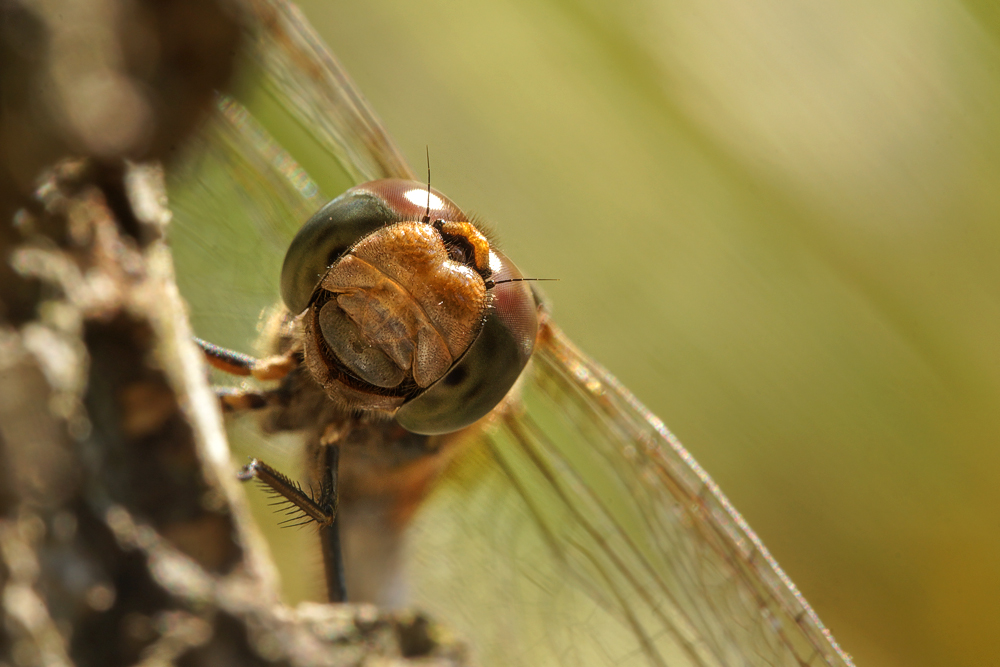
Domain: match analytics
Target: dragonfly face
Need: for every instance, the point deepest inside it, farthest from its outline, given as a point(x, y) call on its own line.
point(567, 526)
point(415, 315)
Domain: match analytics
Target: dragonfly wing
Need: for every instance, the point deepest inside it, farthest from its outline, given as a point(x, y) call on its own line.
point(575, 529)
point(304, 78)
point(237, 199)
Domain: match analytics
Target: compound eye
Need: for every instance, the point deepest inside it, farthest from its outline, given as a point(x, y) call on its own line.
point(494, 361)
point(339, 225)
point(325, 237)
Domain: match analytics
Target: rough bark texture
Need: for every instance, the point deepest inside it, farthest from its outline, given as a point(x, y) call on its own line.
point(123, 534)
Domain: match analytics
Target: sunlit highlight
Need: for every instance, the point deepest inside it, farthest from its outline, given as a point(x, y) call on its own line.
point(422, 197)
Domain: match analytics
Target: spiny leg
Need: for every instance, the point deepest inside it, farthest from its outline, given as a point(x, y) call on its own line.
point(322, 509)
point(317, 509)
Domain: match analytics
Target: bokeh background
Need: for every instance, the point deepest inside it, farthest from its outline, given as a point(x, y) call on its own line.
point(778, 222)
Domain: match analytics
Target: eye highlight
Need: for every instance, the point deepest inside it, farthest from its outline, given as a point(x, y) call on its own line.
point(424, 198)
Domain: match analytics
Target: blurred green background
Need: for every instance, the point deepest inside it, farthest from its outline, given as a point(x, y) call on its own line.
point(777, 223)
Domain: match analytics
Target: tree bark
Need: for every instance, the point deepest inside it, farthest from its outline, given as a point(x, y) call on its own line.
point(124, 536)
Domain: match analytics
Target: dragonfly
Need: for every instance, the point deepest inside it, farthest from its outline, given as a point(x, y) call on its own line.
point(567, 525)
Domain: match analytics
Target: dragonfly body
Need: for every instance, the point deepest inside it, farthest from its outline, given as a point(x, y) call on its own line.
point(567, 525)
point(401, 321)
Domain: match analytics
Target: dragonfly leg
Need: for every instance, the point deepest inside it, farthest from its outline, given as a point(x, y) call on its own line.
point(322, 509)
point(329, 535)
point(237, 363)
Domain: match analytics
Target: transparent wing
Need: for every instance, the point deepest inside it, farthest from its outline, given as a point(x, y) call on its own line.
point(308, 84)
point(577, 530)
point(237, 201)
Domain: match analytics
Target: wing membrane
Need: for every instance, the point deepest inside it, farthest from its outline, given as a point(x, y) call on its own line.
point(601, 541)
point(237, 201)
point(306, 80)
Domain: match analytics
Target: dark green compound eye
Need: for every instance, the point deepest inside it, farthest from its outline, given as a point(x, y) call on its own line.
point(324, 239)
point(503, 330)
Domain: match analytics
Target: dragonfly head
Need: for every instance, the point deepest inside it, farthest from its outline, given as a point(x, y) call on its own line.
point(404, 308)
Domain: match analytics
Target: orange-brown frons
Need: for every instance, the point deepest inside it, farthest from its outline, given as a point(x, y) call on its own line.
point(480, 245)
